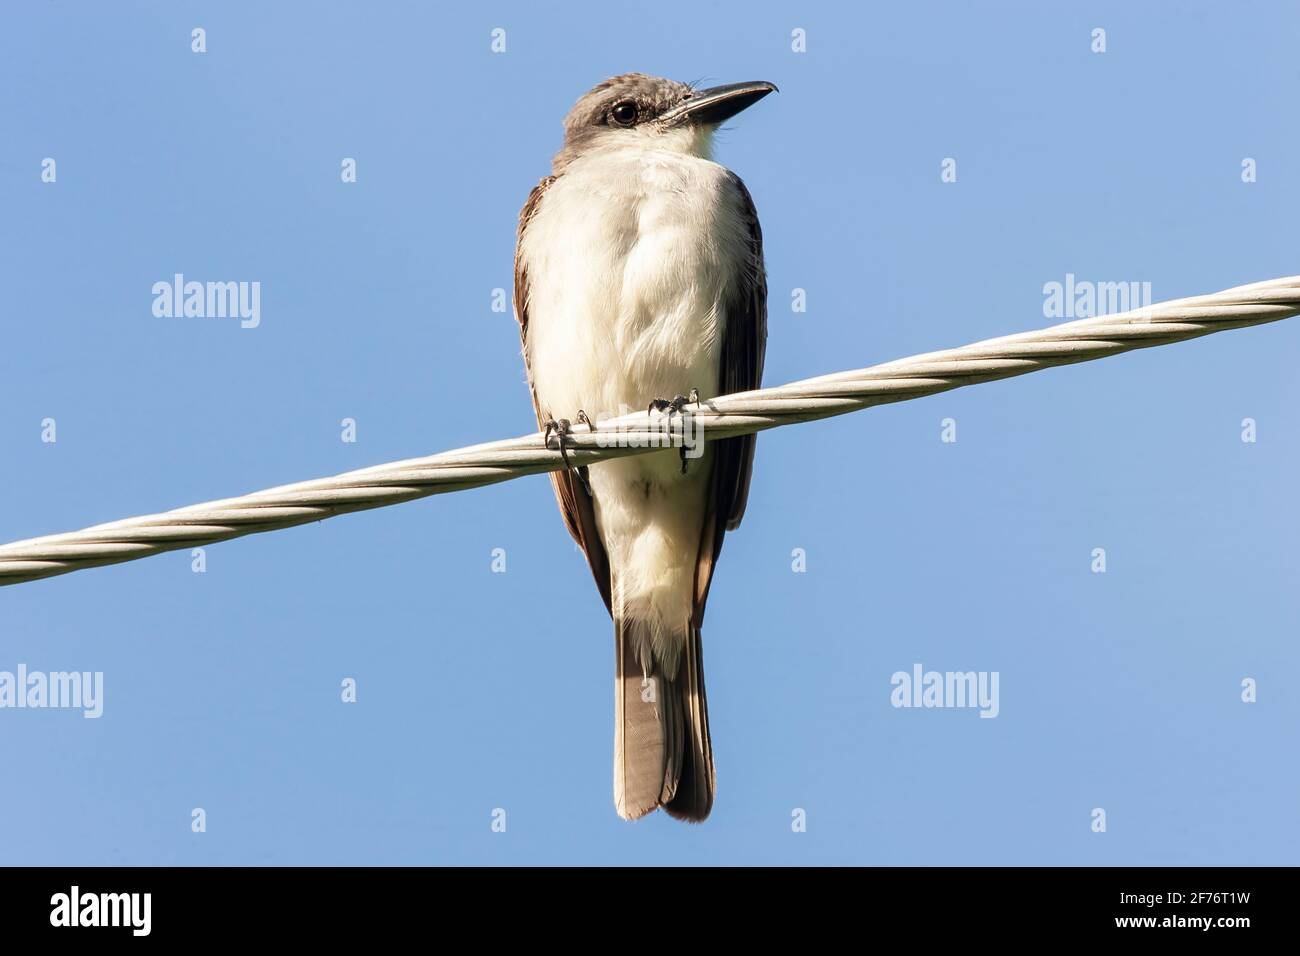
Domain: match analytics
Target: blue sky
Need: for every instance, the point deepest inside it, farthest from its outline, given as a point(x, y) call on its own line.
point(478, 691)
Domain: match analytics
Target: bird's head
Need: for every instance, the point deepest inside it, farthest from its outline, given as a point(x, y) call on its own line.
point(636, 109)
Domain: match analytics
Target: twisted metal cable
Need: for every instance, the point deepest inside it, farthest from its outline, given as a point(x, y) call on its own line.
point(639, 433)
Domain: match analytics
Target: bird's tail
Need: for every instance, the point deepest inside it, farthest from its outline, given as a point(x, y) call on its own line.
point(662, 753)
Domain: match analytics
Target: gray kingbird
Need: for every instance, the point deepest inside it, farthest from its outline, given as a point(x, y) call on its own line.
point(639, 283)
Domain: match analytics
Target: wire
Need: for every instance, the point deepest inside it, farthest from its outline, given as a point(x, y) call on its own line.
point(639, 433)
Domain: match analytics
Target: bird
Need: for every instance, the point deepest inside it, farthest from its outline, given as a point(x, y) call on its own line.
point(640, 283)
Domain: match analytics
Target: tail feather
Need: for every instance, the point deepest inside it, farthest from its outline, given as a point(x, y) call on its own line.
point(662, 753)
point(641, 738)
point(695, 787)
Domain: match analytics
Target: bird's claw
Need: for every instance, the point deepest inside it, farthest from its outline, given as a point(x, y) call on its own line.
point(675, 405)
point(562, 427)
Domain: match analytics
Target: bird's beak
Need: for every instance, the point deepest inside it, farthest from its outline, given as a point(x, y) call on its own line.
point(717, 104)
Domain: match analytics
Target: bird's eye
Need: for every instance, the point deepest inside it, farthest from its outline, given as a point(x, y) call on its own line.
point(625, 113)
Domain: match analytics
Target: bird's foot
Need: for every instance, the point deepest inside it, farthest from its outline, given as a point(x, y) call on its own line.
point(562, 428)
point(674, 406)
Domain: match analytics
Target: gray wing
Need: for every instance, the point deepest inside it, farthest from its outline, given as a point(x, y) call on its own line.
point(744, 343)
point(575, 504)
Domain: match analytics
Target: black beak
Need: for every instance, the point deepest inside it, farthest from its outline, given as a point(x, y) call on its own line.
point(717, 104)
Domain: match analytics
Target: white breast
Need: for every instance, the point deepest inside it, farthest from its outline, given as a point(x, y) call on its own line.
point(630, 256)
